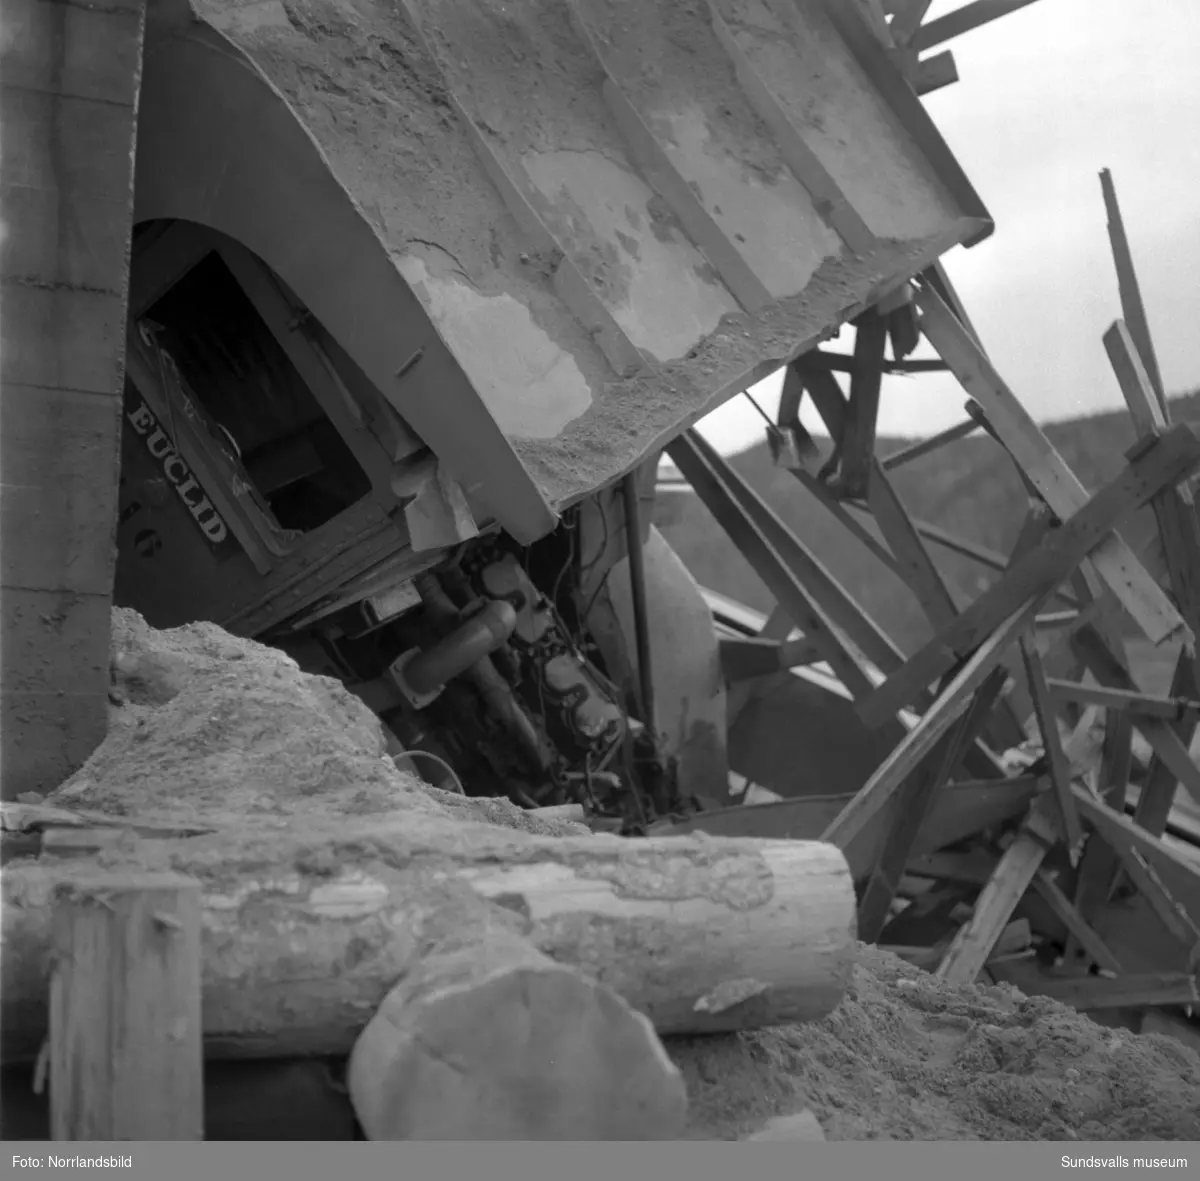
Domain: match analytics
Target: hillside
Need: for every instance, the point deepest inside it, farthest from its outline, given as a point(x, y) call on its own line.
point(968, 487)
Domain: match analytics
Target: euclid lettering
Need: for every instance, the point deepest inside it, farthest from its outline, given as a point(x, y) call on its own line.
point(186, 486)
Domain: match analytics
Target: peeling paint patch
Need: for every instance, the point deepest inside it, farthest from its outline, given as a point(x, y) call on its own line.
point(772, 216)
point(531, 386)
point(662, 305)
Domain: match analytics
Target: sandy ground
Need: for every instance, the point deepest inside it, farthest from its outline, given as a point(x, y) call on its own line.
point(903, 1057)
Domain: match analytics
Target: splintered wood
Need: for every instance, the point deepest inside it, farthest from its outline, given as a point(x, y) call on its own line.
point(125, 1033)
point(1034, 667)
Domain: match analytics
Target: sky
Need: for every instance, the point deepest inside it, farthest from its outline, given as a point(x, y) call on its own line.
point(1046, 98)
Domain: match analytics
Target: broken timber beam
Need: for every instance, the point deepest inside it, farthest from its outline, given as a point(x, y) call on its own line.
point(934, 72)
point(856, 440)
point(1141, 596)
point(1175, 512)
point(947, 708)
point(746, 657)
point(972, 945)
point(1110, 671)
point(1178, 877)
point(1172, 709)
point(907, 16)
point(1056, 761)
point(963, 20)
point(914, 803)
point(1091, 993)
point(1066, 912)
point(911, 561)
point(811, 597)
point(1167, 460)
point(1133, 310)
point(925, 446)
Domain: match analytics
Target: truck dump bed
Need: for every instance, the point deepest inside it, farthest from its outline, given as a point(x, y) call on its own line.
point(553, 234)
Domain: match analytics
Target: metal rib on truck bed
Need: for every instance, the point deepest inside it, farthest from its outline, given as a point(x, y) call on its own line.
point(613, 214)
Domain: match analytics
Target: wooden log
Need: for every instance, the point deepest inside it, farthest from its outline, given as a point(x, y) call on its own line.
point(125, 1039)
point(488, 1039)
point(308, 925)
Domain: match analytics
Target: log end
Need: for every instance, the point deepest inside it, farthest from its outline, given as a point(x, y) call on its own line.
point(530, 1053)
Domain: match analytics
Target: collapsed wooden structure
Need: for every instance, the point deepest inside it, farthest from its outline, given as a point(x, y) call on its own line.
point(948, 835)
point(1062, 853)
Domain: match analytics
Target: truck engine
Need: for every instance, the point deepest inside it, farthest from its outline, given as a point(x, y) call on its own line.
point(499, 679)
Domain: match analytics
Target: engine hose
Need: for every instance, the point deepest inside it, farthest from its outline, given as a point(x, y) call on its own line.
point(437, 760)
point(496, 692)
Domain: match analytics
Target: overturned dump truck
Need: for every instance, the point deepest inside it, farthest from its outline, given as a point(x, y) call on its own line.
point(419, 291)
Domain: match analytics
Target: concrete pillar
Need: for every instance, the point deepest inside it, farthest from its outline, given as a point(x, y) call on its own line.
point(69, 81)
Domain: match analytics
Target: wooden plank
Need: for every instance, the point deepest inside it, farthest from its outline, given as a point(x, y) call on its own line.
point(958, 811)
point(1108, 669)
point(856, 442)
point(992, 559)
point(919, 573)
point(926, 446)
point(963, 20)
point(746, 657)
point(972, 946)
point(914, 803)
point(1158, 796)
point(1166, 1025)
point(1174, 508)
point(949, 705)
point(1133, 310)
point(125, 1030)
point(1100, 865)
point(1178, 874)
point(830, 596)
point(1147, 704)
point(935, 72)
point(1092, 993)
point(1056, 760)
point(911, 561)
point(1175, 512)
point(915, 566)
point(1066, 912)
point(1171, 913)
point(832, 362)
point(1141, 596)
point(851, 524)
point(794, 598)
point(1167, 460)
point(907, 16)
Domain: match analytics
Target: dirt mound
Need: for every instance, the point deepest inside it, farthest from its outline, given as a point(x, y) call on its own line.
point(906, 1057)
point(210, 728)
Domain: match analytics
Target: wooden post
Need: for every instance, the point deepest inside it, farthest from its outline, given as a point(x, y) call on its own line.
point(125, 1033)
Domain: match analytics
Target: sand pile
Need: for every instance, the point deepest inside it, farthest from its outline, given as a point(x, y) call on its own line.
point(905, 1057)
point(210, 728)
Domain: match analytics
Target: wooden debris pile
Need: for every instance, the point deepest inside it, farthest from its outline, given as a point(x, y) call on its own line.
point(1093, 894)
